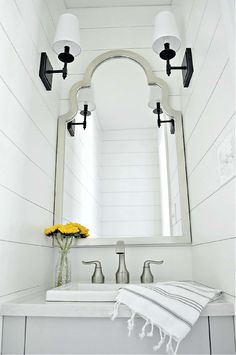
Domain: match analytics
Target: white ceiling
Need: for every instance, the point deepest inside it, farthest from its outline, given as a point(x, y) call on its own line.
point(121, 96)
point(115, 3)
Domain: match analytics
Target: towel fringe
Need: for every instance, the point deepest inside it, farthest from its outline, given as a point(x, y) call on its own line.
point(115, 310)
point(131, 323)
point(150, 334)
point(176, 348)
point(169, 346)
point(142, 334)
point(162, 339)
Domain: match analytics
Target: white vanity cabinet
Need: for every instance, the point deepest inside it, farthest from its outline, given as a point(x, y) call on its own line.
point(88, 335)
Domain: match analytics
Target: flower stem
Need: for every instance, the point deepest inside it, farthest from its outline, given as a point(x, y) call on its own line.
point(59, 277)
point(65, 247)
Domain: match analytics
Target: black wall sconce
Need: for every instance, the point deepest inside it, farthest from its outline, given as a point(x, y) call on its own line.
point(155, 104)
point(167, 42)
point(159, 111)
point(86, 105)
point(85, 113)
point(66, 44)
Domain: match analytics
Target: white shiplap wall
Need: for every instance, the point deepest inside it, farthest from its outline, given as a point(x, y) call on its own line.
point(28, 120)
point(130, 183)
point(208, 107)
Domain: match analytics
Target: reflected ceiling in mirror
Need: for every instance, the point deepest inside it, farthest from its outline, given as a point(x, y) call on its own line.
point(121, 94)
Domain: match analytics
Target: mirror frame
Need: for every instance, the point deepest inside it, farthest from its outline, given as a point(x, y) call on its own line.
point(152, 79)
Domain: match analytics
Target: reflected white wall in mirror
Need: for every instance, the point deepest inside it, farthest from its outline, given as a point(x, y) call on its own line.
point(112, 170)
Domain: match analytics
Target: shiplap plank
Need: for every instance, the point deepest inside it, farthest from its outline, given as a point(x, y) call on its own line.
point(129, 198)
point(129, 159)
point(17, 125)
point(24, 266)
point(14, 75)
point(127, 185)
point(131, 213)
point(218, 260)
point(27, 49)
point(212, 70)
point(214, 218)
point(148, 146)
point(135, 229)
point(206, 178)
point(129, 172)
point(218, 112)
point(29, 220)
point(22, 176)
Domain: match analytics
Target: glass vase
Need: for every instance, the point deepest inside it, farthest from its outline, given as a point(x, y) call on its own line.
point(63, 268)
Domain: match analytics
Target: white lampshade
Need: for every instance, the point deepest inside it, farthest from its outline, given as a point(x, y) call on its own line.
point(85, 97)
point(154, 96)
point(166, 31)
point(67, 34)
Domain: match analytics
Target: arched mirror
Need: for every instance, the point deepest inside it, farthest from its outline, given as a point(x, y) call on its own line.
point(123, 176)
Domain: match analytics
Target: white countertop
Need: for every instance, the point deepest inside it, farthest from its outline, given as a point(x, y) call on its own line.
point(36, 306)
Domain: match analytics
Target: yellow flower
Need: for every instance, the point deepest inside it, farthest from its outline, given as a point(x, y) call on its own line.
point(75, 229)
point(68, 229)
point(52, 229)
point(80, 229)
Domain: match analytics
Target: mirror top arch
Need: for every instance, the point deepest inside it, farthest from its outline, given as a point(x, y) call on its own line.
point(152, 80)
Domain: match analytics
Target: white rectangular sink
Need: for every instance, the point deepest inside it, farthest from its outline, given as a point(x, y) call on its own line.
point(79, 292)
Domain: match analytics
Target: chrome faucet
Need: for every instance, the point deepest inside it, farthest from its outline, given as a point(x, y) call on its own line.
point(122, 274)
point(97, 277)
point(147, 276)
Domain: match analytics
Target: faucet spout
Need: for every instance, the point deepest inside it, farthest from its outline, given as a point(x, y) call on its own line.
point(122, 274)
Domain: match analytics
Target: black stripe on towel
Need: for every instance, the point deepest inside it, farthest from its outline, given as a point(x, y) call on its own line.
point(185, 288)
point(202, 289)
point(175, 315)
point(176, 297)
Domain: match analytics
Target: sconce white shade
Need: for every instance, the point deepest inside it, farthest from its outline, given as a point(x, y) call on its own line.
point(166, 31)
point(85, 97)
point(154, 96)
point(67, 34)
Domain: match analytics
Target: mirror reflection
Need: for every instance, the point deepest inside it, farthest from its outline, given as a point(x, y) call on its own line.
point(121, 173)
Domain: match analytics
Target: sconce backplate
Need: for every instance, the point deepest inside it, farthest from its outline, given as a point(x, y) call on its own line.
point(188, 63)
point(71, 127)
point(45, 66)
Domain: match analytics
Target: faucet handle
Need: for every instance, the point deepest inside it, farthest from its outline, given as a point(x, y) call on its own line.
point(96, 262)
point(148, 262)
point(97, 276)
point(147, 276)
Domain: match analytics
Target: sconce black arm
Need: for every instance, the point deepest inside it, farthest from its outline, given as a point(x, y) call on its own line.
point(63, 71)
point(158, 111)
point(70, 126)
point(169, 67)
point(46, 70)
point(187, 65)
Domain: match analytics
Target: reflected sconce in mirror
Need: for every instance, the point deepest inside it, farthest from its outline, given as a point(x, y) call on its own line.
point(167, 42)
point(155, 104)
point(85, 106)
point(67, 46)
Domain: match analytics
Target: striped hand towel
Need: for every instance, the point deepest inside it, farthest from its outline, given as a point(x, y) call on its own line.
point(172, 307)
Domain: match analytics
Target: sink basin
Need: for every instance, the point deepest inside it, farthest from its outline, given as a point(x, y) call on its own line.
point(79, 292)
